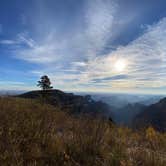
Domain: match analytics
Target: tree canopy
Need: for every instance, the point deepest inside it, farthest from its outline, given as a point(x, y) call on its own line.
point(44, 83)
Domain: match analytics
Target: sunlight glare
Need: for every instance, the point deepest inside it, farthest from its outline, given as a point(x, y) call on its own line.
point(120, 65)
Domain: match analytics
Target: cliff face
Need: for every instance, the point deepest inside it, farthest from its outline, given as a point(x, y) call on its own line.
point(74, 104)
point(154, 115)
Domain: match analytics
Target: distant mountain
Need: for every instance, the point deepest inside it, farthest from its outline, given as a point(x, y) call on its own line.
point(125, 107)
point(121, 100)
point(10, 92)
point(154, 115)
point(126, 114)
point(75, 104)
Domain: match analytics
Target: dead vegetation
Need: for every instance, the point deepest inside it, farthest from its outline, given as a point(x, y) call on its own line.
point(34, 134)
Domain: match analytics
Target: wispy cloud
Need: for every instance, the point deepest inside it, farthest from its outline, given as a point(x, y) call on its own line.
point(9, 85)
point(12, 83)
point(146, 57)
point(99, 20)
point(81, 44)
point(8, 42)
point(84, 54)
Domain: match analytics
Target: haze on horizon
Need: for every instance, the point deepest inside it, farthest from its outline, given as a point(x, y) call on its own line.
point(85, 45)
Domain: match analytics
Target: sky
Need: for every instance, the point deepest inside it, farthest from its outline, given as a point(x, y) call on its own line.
point(84, 45)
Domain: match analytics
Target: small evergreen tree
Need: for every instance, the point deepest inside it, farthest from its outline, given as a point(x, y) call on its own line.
point(45, 83)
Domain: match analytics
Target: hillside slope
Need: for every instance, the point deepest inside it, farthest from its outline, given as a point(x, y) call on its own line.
point(32, 133)
point(154, 115)
point(38, 134)
point(74, 104)
point(126, 114)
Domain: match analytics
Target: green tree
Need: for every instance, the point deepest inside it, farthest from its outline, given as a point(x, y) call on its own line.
point(45, 83)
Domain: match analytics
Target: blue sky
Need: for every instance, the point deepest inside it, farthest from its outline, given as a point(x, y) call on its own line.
point(85, 45)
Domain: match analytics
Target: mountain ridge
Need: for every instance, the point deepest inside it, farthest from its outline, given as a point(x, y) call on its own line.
point(75, 104)
point(154, 115)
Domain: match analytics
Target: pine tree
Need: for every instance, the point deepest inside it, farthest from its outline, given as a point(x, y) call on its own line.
point(45, 83)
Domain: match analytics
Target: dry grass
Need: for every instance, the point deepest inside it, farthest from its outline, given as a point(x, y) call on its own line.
point(34, 134)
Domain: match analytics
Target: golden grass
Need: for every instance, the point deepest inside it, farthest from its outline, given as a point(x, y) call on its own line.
point(35, 134)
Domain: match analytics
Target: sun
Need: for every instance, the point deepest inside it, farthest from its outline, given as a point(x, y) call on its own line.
point(120, 65)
